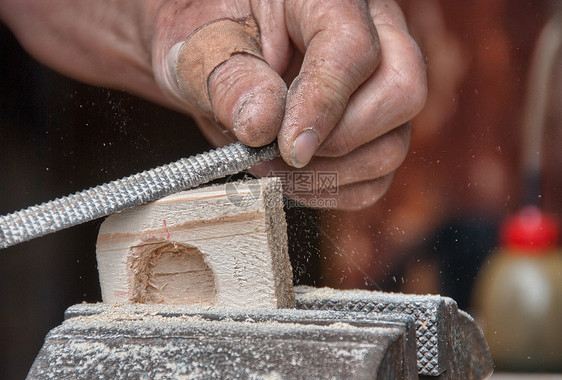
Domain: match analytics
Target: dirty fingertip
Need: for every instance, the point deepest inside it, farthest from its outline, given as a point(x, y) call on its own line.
point(258, 115)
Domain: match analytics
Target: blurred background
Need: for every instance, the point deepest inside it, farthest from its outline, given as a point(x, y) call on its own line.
point(433, 232)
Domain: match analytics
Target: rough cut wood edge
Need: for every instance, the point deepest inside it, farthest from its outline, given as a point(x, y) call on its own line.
point(237, 231)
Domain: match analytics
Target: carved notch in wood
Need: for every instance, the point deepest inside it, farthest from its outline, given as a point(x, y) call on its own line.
point(170, 273)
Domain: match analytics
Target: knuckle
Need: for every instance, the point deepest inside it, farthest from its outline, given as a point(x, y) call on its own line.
point(418, 93)
point(361, 52)
point(332, 87)
point(394, 149)
point(403, 137)
point(377, 188)
point(412, 83)
point(361, 39)
point(339, 144)
point(322, 91)
point(386, 154)
point(223, 81)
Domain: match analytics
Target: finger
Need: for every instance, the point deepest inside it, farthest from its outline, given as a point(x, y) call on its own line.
point(375, 159)
point(394, 94)
point(372, 160)
point(248, 97)
point(341, 50)
point(220, 70)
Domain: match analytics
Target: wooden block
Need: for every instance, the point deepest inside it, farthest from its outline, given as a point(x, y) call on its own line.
point(221, 246)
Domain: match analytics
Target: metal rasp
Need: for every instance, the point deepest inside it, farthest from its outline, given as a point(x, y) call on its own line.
point(130, 191)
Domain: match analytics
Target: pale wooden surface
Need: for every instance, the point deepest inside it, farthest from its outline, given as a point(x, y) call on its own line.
point(223, 245)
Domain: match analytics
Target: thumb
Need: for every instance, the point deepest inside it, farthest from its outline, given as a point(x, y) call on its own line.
point(220, 70)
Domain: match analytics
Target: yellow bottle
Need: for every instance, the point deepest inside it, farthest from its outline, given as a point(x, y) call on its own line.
point(518, 295)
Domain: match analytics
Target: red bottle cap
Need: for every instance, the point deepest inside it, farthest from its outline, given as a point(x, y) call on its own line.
point(530, 231)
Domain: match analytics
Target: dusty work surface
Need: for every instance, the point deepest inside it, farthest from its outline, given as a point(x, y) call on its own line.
point(156, 341)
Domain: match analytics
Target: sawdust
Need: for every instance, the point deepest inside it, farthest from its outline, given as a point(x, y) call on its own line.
point(310, 294)
point(187, 342)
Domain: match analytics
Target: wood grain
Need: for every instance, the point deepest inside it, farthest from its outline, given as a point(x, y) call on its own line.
point(219, 246)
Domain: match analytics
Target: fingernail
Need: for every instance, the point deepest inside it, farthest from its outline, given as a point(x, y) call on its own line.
point(169, 76)
point(304, 147)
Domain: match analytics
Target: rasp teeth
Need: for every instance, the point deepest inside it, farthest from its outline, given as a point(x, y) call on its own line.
point(130, 191)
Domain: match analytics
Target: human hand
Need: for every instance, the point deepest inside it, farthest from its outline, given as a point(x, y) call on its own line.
point(355, 75)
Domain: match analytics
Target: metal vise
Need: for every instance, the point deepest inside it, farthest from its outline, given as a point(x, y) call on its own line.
point(331, 334)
